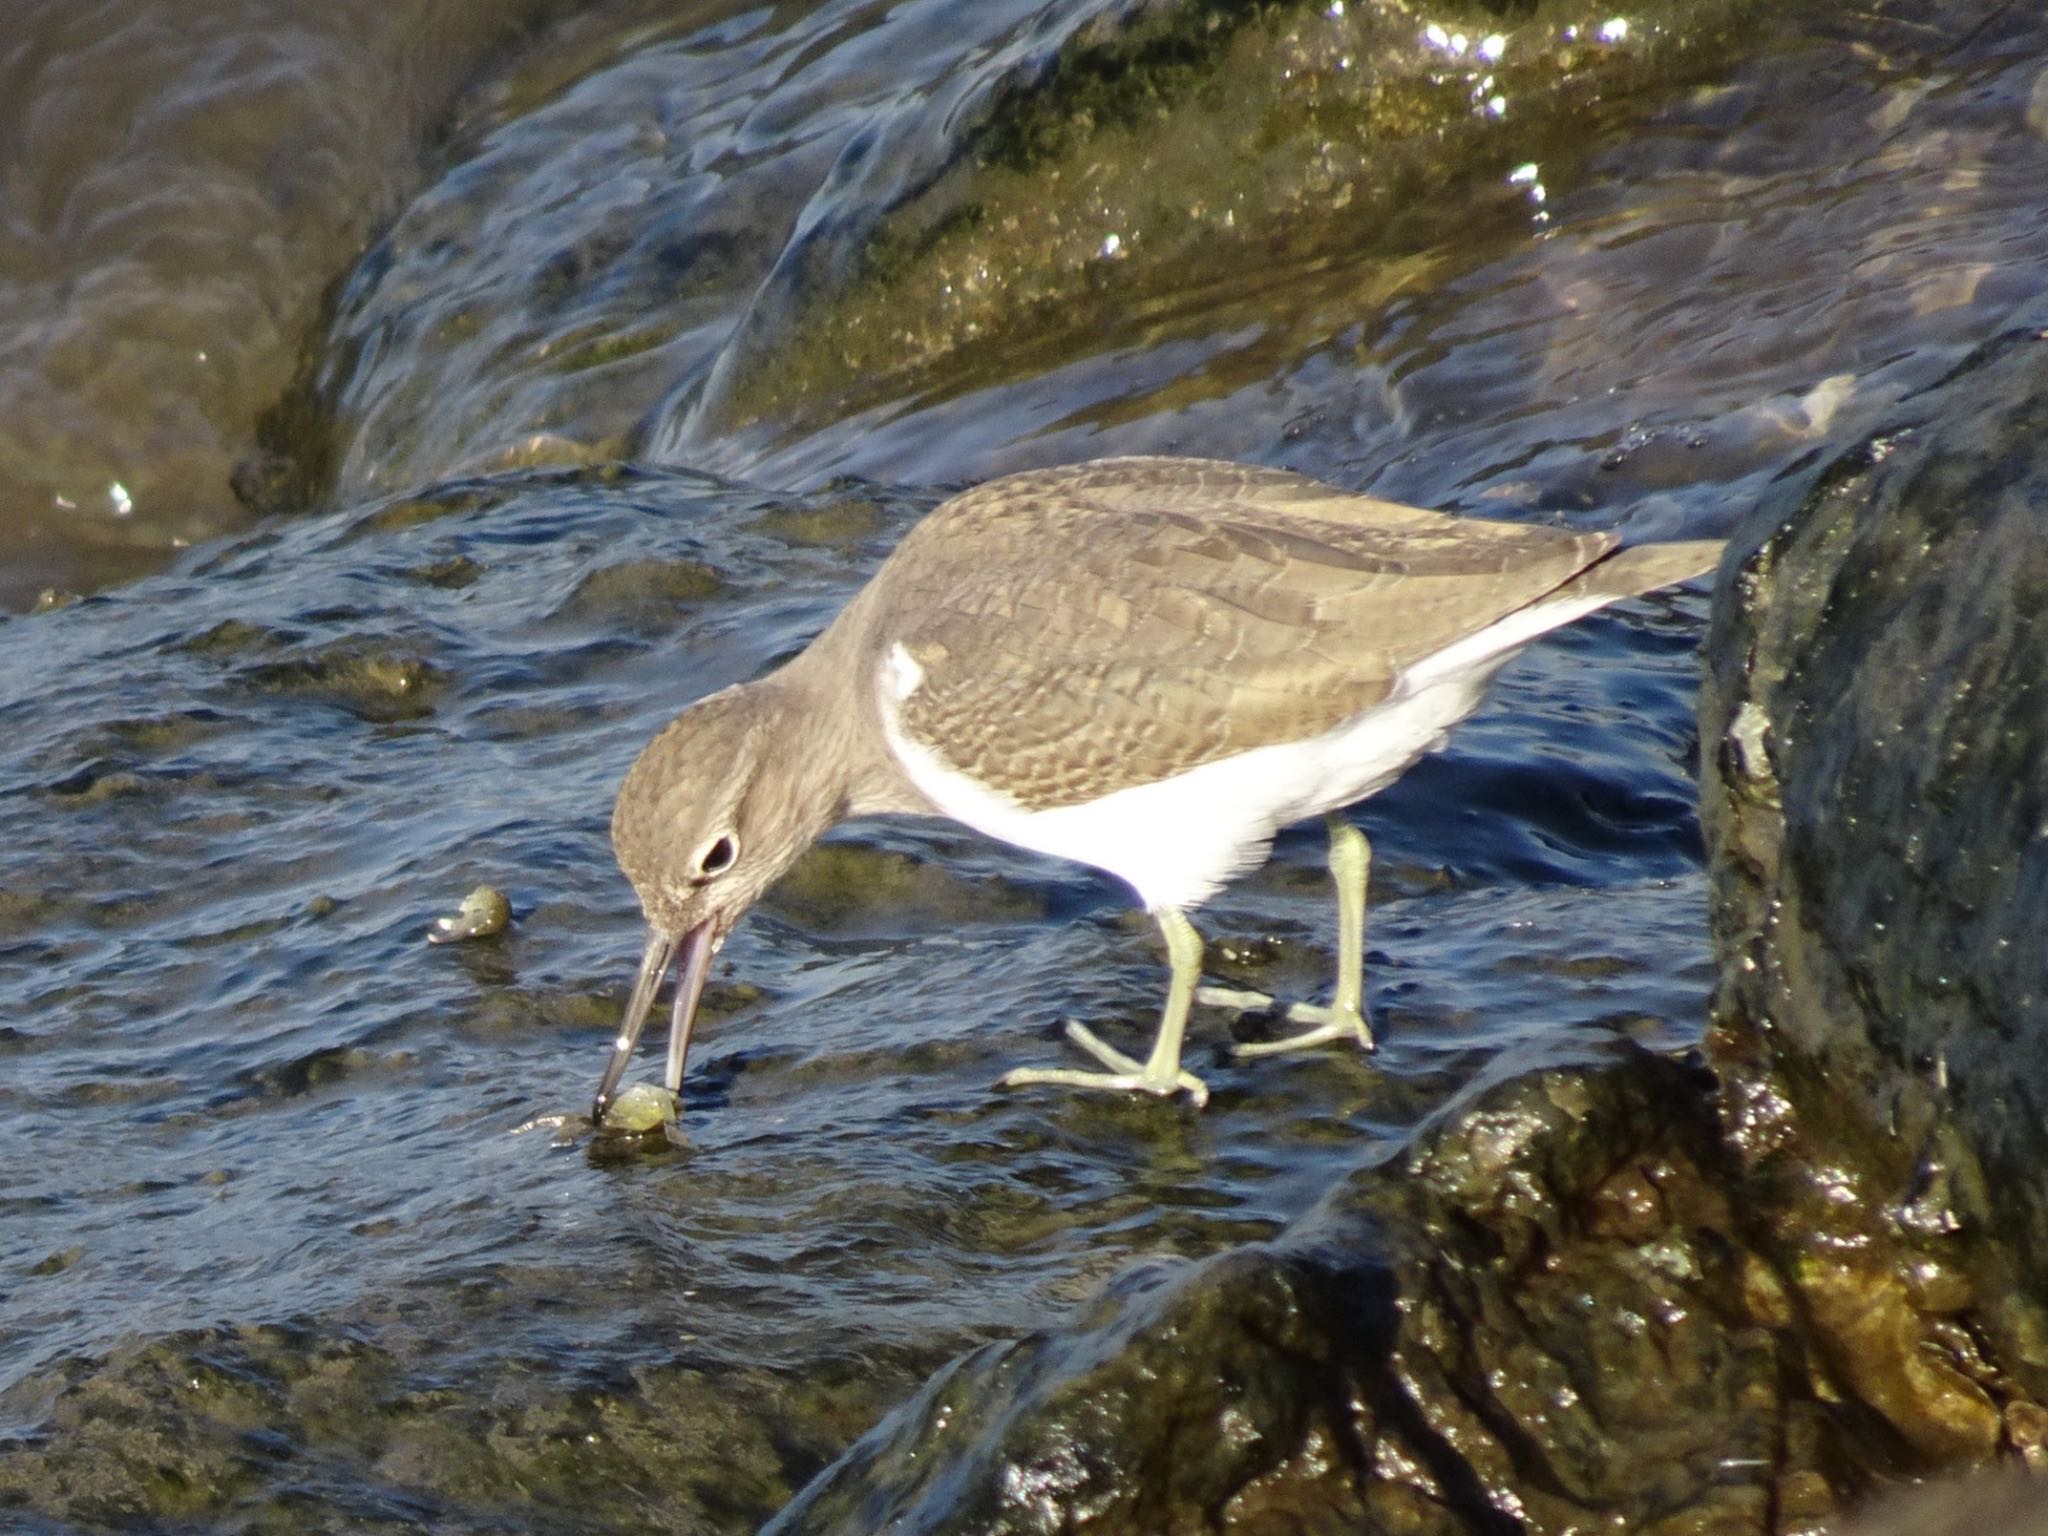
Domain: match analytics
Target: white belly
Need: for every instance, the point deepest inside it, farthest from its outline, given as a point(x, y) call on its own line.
point(1178, 841)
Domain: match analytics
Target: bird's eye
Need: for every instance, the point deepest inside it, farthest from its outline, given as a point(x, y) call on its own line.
point(719, 857)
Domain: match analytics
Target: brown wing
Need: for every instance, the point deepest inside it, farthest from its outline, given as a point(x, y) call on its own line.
point(1085, 629)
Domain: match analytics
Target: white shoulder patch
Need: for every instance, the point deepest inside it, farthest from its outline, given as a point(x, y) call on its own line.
point(901, 675)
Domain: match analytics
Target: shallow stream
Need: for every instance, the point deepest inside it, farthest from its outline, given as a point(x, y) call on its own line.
point(301, 1229)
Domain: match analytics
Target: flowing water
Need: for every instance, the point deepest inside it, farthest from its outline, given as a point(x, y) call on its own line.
point(301, 1228)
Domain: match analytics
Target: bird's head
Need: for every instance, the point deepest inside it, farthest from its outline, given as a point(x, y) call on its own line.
point(711, 814)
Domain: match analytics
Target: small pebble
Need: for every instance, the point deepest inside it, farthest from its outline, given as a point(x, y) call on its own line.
point(641, 1108)
point(484, 911)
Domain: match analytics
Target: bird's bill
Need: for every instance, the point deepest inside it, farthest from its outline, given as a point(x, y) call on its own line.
point(697, 946)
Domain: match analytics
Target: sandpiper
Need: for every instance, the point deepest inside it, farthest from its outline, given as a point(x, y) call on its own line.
point(1149, 665)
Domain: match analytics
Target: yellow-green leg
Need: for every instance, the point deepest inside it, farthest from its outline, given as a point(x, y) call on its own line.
point(1160, 1072)
point(1343, 1017)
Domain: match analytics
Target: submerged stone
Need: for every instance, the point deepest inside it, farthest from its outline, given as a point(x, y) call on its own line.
point(483, 914)
point(642, 1108)
point(365, 678)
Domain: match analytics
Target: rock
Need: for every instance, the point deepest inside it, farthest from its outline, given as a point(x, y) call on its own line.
point(641, 1109)
point(1877, 814)
point(483, 914)
point(1542, 1318)
point(1099, 173)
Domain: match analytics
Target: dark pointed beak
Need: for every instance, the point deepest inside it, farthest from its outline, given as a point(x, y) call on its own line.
point(696, 946)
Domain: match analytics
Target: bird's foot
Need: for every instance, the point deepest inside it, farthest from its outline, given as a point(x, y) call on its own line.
point(1326, 1021)
point(1235, 999)
point(1126, 1074)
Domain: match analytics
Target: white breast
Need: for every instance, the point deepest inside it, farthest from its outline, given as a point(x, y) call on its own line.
point(1176, 842)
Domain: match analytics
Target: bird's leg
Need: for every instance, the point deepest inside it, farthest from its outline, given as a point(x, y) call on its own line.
point(1160, 1072)
point(1343, 1017)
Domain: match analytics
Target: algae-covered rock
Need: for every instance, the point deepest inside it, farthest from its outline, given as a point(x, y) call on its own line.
point(1131, 161)
point(1542, 1318)
point(186, 1431)
point(483, 914)
point(640, 1109)
point(1878, 811)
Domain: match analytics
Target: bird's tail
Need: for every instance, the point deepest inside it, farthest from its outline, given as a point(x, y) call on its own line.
point(1643, 568)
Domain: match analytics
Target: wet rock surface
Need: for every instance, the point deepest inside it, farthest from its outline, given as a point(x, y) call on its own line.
point(1545, 1316)
point(183, 185)
point(1878, 807)
point(189, 1431)
point(1532, 1319)
point(1125, 166)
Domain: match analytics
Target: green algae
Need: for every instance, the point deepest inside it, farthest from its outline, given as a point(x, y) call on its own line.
point(1189, 147)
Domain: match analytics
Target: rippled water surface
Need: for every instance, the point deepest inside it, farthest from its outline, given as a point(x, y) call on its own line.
point(301, 1226)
